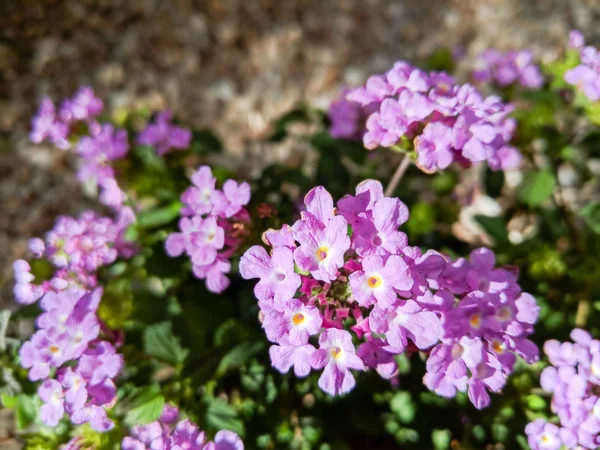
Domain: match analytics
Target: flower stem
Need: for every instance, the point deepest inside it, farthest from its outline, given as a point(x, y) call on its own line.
point(404, 163)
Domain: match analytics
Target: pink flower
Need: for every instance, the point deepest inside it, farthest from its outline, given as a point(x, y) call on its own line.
point(377, 282)
point(408, 321)
point(322, 248)
point(380, 235)
point(337, 355)
point(278, 280)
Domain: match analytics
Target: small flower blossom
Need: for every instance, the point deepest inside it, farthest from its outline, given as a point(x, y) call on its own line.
point(207, 228)
point(165, 136)
point(337, 355)
point(586, 76)
point(508, 68)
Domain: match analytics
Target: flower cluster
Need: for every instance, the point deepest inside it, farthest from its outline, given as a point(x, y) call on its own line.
point(168, 434)
point(344, 275)
point(574, 381)
point(447, 121)
point(67, 352)
point(165, 136)
point(211, 227)
point(586, 76)
point(508, 68)
point(55, 126)
point(97, 152)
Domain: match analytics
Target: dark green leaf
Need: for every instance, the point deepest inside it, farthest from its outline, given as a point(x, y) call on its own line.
point(495, 227)
point(591, 215)
point(222, 416)
point(239, 355)
point(160, 342)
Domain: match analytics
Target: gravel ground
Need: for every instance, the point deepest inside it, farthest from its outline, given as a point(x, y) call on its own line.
point(231, 65)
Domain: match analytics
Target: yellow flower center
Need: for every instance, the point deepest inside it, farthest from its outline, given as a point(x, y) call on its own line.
point(497, 346)
point(210, 237)
point(54, 349)
point(322, 252)
point(336, 352)
point(374, 281)
point(545, 438)
point(475, 320)
point(298, 318)
point(504, 314)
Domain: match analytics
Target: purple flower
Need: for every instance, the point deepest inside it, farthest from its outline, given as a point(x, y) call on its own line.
point(434, 147)
point(45, 125)
point(199, 238)
point(276, 273)
point(386, 127)
point(214, 274)
point(377, 282)
point(448, 364)
point(233, 198)
point(295, 323)
point(345, 117)
point(368, 193)
point(97, 152)
point(380, 235)
point(100, 362)
point(84, 105)
point(228, 440)
point(51, 392)
point(198, 199)
point(542, 435)
point(576, 39)
point(379, 356)
point(284, 356)
point(586, 79)
point(280, 238)
point(322, 248)
point(164, 136)
point(337, 355)
point(407, 321)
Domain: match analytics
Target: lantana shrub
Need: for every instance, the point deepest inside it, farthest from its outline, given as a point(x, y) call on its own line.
point(373, 296)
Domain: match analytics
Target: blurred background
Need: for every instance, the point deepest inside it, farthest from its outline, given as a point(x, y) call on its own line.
point(233, 66)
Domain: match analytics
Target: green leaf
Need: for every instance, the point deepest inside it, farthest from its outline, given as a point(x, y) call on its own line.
point(26, 410)
point(9, 401)
point(495, 227)
point(537, 188)
point(221, 415)
point(205, 142)
point(403, 406)
point(157, 217)
point(146, 407)
point(591, 215)
point(160, 342)
point(441, 439)
point(239, 355)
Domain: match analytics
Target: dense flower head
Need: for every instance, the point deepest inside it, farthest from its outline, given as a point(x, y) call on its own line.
point(512, 67)
point(69, 332)
point(55, 126)
point(168, 435)
point(165, 136)
point(207, 231)
point(71, 353)
point(573, 379)
point(447, 122)
point(586, 76)
point(346, 279)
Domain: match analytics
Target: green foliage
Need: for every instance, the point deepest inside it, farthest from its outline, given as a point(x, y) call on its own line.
point(160, 342)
